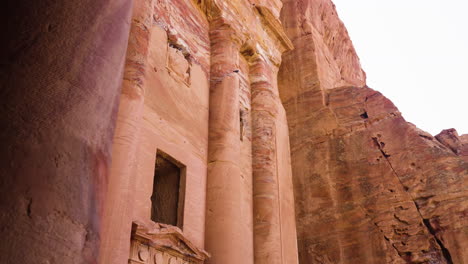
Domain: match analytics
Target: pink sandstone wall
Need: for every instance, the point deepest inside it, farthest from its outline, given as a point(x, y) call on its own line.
point(175, 120)
point(61, 72)
point(118, 214)
point(286, 197)
point(162, 108)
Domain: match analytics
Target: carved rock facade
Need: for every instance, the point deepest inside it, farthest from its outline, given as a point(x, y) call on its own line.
point(244, 126)
point(163, 244)
point(200, 86)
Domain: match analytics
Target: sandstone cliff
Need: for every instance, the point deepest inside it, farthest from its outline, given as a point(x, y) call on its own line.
point(369, 186)
point(201, 90)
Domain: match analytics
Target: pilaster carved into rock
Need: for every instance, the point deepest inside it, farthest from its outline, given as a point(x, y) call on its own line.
point(267, 231)
point(223, 183)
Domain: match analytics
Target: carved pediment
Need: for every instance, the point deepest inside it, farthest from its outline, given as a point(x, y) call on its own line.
point(163, 244)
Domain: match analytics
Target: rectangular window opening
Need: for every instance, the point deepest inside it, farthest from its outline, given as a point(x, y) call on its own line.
point(167, 199)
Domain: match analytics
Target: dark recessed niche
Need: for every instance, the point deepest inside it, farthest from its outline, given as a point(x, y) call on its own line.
point(167, 199)
point(364, 115)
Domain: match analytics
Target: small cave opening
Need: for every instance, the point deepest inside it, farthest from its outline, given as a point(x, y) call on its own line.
point(364, 115)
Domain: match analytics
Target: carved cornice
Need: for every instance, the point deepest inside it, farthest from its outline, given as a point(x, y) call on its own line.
point(271, 22)
point(221, 20)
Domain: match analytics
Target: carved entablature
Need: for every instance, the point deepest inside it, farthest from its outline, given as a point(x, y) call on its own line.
point(219, 10)
point(162, 244)
point(274, 25)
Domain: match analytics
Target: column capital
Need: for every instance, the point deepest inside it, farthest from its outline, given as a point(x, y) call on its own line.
point(222, 30)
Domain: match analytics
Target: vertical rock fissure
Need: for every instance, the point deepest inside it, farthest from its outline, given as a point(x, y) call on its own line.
point(445, 251)
point(28, 210)
point(379, 146)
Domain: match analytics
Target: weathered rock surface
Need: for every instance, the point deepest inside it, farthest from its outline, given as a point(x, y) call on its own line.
point(369, 187)
point(450, 138)
point(61, 65)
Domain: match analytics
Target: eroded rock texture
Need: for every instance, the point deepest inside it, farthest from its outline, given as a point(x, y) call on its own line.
point(458, 144)
point(369, 186)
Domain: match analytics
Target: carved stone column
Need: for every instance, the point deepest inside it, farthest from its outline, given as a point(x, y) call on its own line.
point(223, 234)
point(117, 225)
point(267, 226)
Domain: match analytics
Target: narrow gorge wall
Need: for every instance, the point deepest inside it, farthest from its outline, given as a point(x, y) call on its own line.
point(61, 65)
point(369, 186)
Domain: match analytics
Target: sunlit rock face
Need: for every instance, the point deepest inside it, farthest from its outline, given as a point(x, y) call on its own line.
point(369, 187)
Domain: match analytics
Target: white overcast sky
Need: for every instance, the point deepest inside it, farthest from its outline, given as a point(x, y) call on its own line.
point(416, 53)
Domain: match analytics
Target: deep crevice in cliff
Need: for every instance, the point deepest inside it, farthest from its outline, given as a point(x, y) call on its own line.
point(380, 146)
point(28, 209)
point(445, 252)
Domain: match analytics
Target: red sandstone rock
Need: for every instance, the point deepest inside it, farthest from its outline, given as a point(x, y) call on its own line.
point(369, 187)
point(200, 84)
point(450, 139)
point(61, 71)
point(464, 147)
